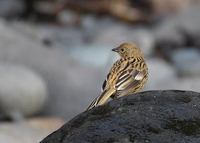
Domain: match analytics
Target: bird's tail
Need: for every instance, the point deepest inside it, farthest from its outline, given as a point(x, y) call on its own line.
point(100, 100)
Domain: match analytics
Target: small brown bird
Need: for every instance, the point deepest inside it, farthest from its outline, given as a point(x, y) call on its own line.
point(127, 76)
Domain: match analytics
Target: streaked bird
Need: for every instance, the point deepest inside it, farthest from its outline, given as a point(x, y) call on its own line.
point(127, 76)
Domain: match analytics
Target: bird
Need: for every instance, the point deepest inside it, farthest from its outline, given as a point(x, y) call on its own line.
point(128, 75)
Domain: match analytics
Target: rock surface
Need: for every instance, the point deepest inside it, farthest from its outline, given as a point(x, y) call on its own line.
point(147, 117)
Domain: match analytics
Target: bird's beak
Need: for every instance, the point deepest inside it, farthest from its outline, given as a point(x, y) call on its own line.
point(115, 49)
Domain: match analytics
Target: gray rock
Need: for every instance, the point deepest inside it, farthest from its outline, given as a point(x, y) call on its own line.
point(57, 37)
point(169, 31)
point(144, 38)
point(10, 8)
point(179, 31)
point(148, 117)
point(161, 75)
point(68, 17)
point(187, 61)
point(22, 91)
point(187, 83)
point(88, 54)
point(189, 19)
point(66, 78)
point(28, 131)
point(118, 33)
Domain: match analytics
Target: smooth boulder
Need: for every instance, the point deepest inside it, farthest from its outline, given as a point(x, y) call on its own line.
point(22, 91)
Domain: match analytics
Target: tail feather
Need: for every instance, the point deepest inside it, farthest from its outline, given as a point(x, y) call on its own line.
point(100, 100)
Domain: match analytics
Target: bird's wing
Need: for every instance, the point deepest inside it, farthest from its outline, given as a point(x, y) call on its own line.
point(105, 82)
point(100, 100)
point(125, 77)
point(93, 104)
point(117, 67)
point(107, 92)
point(130, 78)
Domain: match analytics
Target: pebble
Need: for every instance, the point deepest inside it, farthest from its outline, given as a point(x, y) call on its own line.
point(187, 61)
point(161, 74)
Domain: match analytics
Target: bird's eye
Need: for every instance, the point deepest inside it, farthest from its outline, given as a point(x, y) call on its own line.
point(122, 50)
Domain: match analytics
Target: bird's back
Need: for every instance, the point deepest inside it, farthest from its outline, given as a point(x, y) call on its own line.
point(123, 66)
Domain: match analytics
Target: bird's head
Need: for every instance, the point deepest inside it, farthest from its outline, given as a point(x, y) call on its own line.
point(128, 50)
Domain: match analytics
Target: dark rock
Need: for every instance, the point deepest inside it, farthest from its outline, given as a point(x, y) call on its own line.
point(41, 10)
point(147, 117)
point(11, 8)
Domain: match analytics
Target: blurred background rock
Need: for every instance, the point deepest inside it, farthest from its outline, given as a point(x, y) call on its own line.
point(58, 54)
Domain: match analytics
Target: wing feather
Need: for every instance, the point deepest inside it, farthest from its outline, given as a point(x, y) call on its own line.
point(124, 76)
point(132, 80)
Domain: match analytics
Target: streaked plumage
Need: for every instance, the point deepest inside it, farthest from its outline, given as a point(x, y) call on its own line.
point(127, 76)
